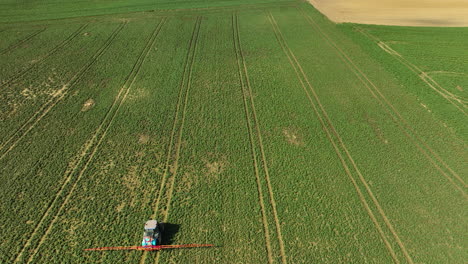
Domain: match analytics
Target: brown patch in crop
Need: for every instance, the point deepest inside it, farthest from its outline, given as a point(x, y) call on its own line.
point(29, 222)
point(120, 207)
point(107, 166)
point(28, 94)
point(293, 136)
point(378, 132)
point(459, 88)
point(72, 225)
point(138, 94)
point(214, 166)
point(143, 139)
point(88, 105)
point(187, 181)
point(86, 34)
point(425, 106)
point(131, 180)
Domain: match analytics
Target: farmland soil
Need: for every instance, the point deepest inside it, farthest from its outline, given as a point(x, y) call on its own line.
point(396, 12)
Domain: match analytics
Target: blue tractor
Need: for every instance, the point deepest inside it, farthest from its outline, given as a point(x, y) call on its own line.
point(152, 234)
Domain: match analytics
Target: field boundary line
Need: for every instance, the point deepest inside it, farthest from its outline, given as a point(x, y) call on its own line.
point(301, 75)
point(22, 41)
point(235, 29)
point(422, 75)
point(44, 57)
point(56, 98)
point(406, 128)
point(262, 152)
point(258, 6)
point(110, 115)
point(415, 69)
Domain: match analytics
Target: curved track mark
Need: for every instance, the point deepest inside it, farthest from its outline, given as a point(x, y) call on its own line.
point(423, 76)
point(453, 99)
point(391, 110)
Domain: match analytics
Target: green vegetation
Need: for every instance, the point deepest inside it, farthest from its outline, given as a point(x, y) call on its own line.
point(264, 129)
point(432, 62)
point(14, 11)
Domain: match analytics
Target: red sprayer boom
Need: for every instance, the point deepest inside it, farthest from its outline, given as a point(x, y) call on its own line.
point(150, 248)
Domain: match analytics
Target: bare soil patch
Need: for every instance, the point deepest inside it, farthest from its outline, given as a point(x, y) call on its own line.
point(214, 165)
point(87, 105)
point(143, 138)
point(293, 136)
point(449, 13)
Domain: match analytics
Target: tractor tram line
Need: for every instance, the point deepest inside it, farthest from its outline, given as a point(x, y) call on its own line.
point(34, 121)
point(95, 142)
point(252, 143)
point(252, 116)
point(168, 179)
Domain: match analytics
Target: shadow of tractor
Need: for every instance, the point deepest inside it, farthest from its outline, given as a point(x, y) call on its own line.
point(169, 230)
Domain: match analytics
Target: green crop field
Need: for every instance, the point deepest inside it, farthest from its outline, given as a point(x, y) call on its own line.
point(258, 126)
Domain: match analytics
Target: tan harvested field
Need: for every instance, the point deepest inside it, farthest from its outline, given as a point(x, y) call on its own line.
point(452, 13)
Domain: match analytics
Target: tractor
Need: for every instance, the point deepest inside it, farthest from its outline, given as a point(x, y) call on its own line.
point(152, 235)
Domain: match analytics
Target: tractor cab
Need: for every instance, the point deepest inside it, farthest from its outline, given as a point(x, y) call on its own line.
point(152, 233)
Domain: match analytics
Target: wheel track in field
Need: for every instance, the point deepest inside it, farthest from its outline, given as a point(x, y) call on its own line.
point(252, 144)
point(261, 147)
point(21, 42)
point(450, 97)
point(88, 151)
point(182, 101)
point(110, 115)
point(404, 126)
point(58, 96)
point(65, 42)
point(330, 132)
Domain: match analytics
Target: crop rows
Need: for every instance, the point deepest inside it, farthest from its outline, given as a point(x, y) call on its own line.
point(402, 134)
point(66, 143)
point(13, 140)
point(92, 146)
point(38, 61)
point(20, 42)
point(267, 132)
point(252, 124)
point(425, 149)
